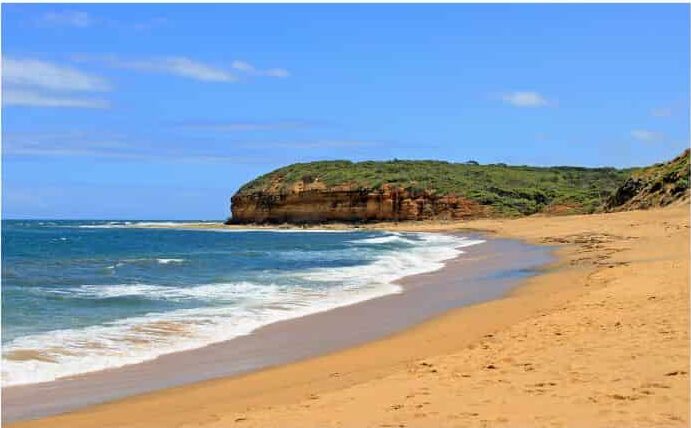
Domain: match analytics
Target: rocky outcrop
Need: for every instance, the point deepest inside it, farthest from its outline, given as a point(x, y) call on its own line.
point(655, 186)
point(400, 190)
point(310, 203)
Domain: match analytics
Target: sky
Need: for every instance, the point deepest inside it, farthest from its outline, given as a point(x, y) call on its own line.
point(127, 111)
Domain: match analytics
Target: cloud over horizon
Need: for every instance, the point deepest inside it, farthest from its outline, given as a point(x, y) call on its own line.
point(529, 99)
point(240, 126)
point(46, 75)
point(661, 112)
point(32, 82)
point(250, 70)
point(646, 136)
point(78, 19)
point(175, 65)
point(37, 83)
point(36, 99)
point(116, 145)
point(69, 18)
point(186, 67)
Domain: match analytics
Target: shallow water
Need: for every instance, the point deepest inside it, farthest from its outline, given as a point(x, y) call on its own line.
point(85, 296)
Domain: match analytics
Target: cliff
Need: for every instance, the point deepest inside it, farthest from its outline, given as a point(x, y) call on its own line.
point(343, 191)
point(655, 186)
point(315, 204)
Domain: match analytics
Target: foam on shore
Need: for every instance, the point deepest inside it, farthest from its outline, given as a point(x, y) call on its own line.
point(228, 309)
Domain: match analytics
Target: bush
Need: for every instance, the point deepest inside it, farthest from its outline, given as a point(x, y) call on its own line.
point(511, 190)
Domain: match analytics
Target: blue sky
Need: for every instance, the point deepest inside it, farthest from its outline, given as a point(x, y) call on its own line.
point(162, 111)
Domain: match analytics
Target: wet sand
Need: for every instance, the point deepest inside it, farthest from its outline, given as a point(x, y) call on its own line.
point(485, 271)
point(601, 339)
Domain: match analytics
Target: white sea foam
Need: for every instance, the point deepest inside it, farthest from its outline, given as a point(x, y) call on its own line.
point(192, 226)
point(234, 309)
point(429, 254)
point(181, 225)
point(116, 265)
point(169, 261)
point(125, 224)
point(216, 292)
point(155, 223)
point(161, 261)
point(137, 339)
point(392, 237)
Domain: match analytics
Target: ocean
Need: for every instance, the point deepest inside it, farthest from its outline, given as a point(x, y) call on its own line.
point(83, 296)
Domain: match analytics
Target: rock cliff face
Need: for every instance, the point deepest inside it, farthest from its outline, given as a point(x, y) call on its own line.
point(310, 203)
point(400, 190)
point(655, 186)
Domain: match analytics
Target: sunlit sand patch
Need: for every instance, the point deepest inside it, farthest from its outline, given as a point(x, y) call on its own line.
point(136, 340)
point(28, 355)
point(48, 355)
point(155, 331)
point(90, 344)
point(162, 328)
point(60, 351)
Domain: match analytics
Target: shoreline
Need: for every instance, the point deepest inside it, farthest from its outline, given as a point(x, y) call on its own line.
point(174, 331)
point(598, 339)
point(411, 226)
point(481, 272)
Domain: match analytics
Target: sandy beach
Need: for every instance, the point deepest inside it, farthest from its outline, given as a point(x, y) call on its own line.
point(599, 339)
point(481, 273)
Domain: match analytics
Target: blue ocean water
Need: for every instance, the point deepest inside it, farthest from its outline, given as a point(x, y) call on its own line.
point(80, 296)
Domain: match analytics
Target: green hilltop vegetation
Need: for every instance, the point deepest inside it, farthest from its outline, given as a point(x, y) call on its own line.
point(509, 190)
point(654, 186)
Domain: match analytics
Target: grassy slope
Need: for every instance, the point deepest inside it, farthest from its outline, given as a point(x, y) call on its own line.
point(657, 185)
point(510, 190)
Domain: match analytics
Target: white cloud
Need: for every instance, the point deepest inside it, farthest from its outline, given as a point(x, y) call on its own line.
point(12, 97)
point(243, 66)
point(243, 126)
point(186, 67)
point(645, 135)
point(80, 19)
point(528, 99)
point(176, 65)
point(72, 143)
point(103, 144)
point(250, 70)
point(70, 18)
point(149, 24)
point(319, 144)
point(46, 75)
point(117, 145)
point(661, 112)
point(327, 144)
point(35, 83)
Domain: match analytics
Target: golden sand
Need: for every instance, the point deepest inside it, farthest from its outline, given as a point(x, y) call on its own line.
point(162, 328)
point(600, 339)
point(27, 355)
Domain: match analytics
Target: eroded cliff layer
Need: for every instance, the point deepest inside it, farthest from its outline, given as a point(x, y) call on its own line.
point(343, 191)
point(350, 205)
